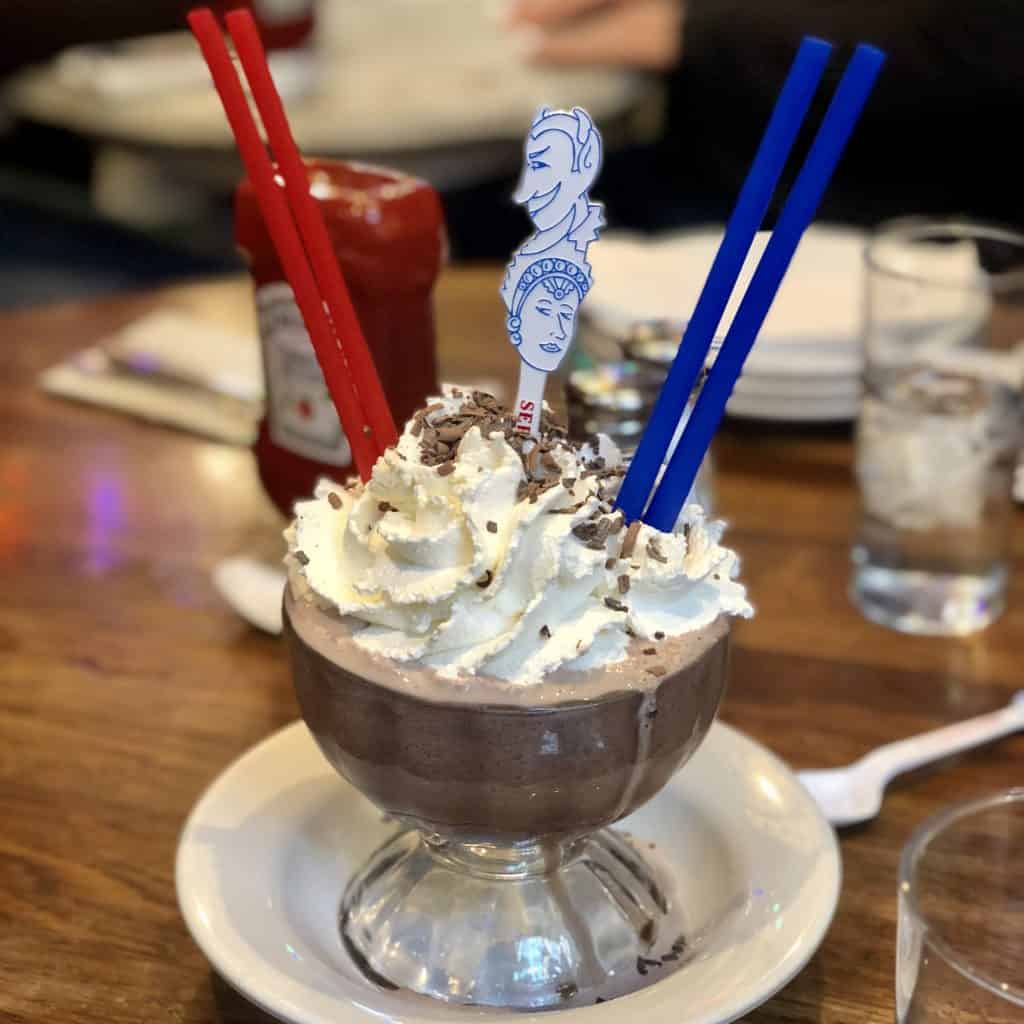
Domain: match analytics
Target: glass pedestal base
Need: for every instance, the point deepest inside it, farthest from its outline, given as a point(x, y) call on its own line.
point(525, 925)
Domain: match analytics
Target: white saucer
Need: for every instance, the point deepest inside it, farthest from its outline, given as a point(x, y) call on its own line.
point(267, 851)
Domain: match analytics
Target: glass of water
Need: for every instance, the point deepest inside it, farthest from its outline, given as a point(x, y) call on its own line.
point(940, 426)
point(960, 950)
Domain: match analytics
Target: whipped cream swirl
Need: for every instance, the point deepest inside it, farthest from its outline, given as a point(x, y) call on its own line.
point(472, 550)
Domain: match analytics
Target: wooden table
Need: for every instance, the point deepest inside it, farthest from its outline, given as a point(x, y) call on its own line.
point(127, 685)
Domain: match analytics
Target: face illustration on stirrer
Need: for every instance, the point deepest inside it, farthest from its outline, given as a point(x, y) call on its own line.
point(548, 275)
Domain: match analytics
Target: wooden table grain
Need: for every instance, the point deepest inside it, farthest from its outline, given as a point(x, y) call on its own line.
point(127, 685)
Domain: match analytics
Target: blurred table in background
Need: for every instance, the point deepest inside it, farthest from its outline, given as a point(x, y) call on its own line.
point(127, 685)
point(434, 88)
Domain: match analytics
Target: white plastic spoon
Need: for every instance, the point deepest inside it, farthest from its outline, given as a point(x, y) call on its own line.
point(850, 795)
point(253, 589)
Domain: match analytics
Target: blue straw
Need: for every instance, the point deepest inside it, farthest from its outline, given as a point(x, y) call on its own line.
point(787, 117)
point(840, 119)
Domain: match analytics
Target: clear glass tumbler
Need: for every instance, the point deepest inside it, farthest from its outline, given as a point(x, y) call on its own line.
point(615, 395)
point(939, 429)
point(960, 953)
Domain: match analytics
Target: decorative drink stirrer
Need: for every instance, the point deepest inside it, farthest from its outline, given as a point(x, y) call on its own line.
point(548, 275)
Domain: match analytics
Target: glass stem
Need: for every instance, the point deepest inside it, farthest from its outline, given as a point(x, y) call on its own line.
point(512, 860)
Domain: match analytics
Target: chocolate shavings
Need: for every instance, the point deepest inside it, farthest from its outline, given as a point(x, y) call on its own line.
point(654, 551)
point(629, 541)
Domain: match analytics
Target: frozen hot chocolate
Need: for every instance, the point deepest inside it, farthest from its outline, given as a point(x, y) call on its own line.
point(486, 649)
point(483, 646)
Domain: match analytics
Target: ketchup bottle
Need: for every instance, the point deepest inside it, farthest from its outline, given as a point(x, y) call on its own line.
point(388, 235)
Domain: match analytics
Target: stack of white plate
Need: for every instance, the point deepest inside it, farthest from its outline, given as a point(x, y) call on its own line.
point(806, 365)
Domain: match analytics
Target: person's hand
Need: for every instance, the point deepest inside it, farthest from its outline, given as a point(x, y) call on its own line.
point(643, 34)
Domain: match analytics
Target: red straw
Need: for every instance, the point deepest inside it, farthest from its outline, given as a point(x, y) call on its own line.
point(310, 223)
point(287, 243)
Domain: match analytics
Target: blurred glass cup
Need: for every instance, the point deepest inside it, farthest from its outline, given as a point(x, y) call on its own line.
point(961, 894)
point(939, 427)
point(615, 395)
